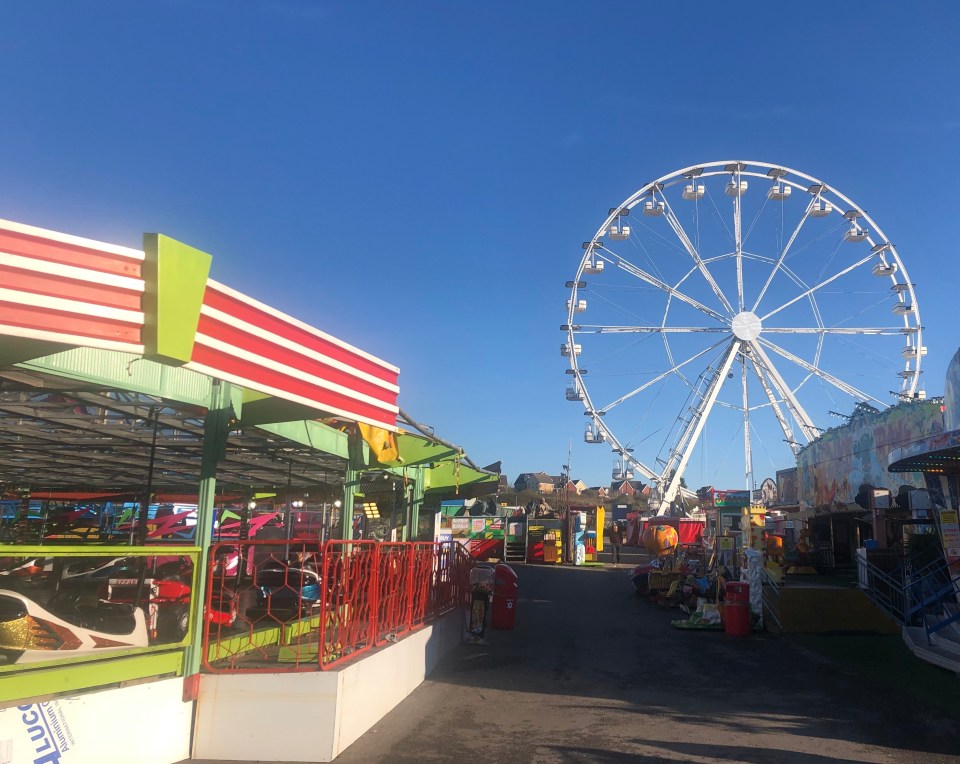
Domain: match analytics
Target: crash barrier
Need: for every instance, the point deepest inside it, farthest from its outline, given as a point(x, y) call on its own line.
point(302, 606)
point(417, 582)
point(72, 609)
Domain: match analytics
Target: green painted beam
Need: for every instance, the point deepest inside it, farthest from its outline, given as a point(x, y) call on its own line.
point(299, 627)
point(417, 449)
point(79, 675)
point(244, 643)
point(412, 527)
point(97, 550)
point(125, 371)
point(19, 349)
point(265, 410)
point(312, 434)
point(299, 654)
point(216, 429)
point(445, 476)
point(268, 636)
point(175, 278)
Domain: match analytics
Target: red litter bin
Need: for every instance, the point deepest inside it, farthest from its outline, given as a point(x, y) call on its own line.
point(737, 591)
point(736, 611)
point(504, 613)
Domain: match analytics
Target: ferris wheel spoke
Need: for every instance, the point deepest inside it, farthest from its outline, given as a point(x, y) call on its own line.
point(601, 329)
point(889, 331)
point(649, 383)
point(641, 274)
point(674, 222)
point(775, 405)
point(822, 284)
point(680, 455)
point(803, 420)
point(783, 254)
point(738, 238)
point(814, 369)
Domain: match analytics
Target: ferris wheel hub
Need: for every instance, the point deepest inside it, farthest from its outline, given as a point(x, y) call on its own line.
point(746, 326)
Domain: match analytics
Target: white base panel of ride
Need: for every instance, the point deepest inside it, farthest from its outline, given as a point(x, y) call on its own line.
point(316, 715)
point(147, 723)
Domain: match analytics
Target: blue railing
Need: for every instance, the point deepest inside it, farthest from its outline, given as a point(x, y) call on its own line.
point(929, 588)
point(914, 596)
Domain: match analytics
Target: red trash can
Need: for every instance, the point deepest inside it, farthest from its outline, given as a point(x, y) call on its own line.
point(736, 591)
point(737, 619)
point(736, 610)
point(504, 613)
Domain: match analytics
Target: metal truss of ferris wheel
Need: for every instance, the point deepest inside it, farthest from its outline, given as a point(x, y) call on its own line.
point(743, 330)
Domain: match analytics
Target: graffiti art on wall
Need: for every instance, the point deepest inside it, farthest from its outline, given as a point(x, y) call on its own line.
point(951, 394)
point(787, 488)
point(833, 467)
point(766, 495)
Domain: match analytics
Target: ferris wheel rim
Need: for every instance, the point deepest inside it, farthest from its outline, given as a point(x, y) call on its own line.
point(679, 175)
point(880, 246)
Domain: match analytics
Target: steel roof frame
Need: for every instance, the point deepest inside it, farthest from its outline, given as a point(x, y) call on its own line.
point(62, 434)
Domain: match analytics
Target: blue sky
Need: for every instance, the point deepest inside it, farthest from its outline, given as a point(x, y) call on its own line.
point(417, 178)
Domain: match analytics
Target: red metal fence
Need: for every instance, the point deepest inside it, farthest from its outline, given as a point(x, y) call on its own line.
point(302, 605)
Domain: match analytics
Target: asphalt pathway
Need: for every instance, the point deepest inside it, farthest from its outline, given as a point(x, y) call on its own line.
point(592, 673)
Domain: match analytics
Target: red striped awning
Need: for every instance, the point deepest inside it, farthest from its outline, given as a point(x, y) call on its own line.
point(244, 341)
point(65, 289)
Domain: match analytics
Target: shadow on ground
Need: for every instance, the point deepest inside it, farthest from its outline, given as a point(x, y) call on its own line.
point(593, 673)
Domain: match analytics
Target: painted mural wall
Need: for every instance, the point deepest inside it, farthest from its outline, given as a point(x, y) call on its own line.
point(788, 490)
point(951, 394)
point(833, 467)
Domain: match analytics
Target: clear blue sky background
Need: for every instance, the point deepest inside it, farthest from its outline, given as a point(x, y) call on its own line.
point(416, 177)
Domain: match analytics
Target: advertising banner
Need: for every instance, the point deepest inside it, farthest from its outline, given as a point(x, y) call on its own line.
point(72, 731)
point(950, 528)
point(731, 498)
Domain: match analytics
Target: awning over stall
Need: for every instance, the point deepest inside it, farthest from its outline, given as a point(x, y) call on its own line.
point(937, 453)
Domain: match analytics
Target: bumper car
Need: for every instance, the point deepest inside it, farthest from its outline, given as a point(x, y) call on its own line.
point(30, 633)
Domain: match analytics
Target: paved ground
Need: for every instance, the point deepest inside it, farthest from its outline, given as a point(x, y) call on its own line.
point(592, 673)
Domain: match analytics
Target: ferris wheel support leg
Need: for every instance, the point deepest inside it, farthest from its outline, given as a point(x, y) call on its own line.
point(747, 447)
point(695, 427)
point(809, 430)
point(778, 412)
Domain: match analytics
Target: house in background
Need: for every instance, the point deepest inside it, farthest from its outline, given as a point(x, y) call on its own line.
point(571, 487)
point(631, 488)
point(534, 481)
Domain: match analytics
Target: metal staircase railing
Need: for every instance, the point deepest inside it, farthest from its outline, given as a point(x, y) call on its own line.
point(885, 589)
point(914, 597)
point(926, 590)
point(771, 602)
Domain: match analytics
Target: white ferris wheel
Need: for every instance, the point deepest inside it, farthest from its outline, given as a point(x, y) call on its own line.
point(727, 309)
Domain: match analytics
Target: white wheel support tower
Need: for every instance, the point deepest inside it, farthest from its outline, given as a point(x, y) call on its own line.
point(765, 294)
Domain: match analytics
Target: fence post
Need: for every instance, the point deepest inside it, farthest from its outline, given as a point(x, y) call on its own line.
point(412, 529)
point(351, 480)
point(216, 427)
